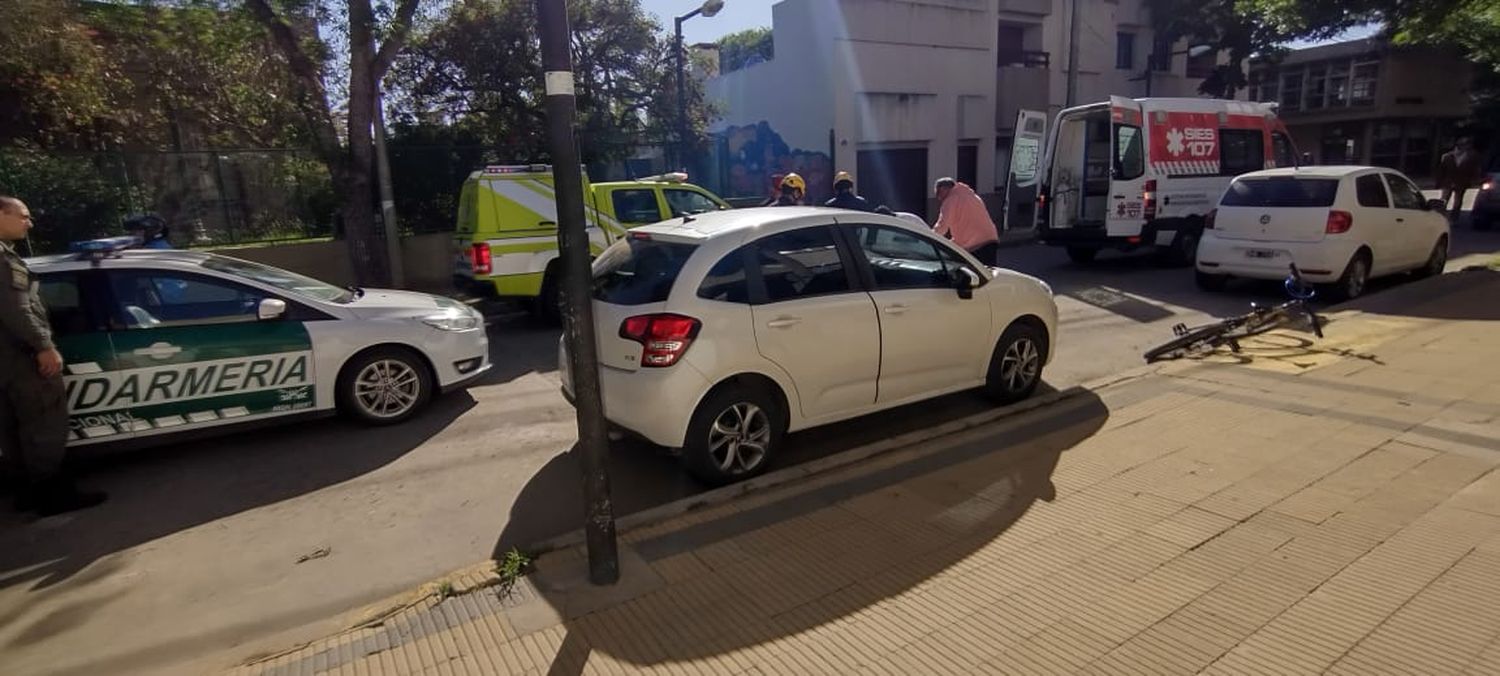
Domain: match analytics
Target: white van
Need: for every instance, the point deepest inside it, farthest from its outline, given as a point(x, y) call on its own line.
point(1129, 173)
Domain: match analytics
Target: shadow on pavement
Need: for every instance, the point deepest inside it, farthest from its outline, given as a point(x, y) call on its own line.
point(643, 476)
point(1472, 295)
point(812, 558)
point(519, 345)
point(160, 491)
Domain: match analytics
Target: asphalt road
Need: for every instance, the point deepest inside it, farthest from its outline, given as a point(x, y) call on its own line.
point(212, 551)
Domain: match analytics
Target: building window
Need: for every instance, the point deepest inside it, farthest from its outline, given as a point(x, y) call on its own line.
point(1161, 53)
point(1125, 51)
point(1418, 151)
point(1317, 87)
point(1362, 91)
point(1291, 91)
point(1385, 145)
point(1202, 65)
point(1338, 86)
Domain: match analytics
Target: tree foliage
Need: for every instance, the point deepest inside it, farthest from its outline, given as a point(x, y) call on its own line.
point(742, 48)
point(156, 75)
point(1469, 25)
point(477, 69)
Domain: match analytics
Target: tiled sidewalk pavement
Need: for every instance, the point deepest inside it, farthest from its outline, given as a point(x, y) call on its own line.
point(1209, 518)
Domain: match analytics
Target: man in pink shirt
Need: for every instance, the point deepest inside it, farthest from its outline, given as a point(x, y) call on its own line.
point(963, 219)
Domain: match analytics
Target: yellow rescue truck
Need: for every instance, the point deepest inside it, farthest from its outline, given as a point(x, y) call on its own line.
point(505, 242)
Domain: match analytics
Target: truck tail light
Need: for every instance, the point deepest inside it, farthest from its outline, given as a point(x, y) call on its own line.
point(1208, 221)
point(1149, 196)
point(663, 337)
point(479, 258)
point(1339, 221)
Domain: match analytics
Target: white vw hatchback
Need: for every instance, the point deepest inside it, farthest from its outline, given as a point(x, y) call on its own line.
point(1340, 225)
point(718, 333)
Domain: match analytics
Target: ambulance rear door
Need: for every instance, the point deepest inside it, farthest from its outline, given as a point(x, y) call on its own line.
point(1126, 210)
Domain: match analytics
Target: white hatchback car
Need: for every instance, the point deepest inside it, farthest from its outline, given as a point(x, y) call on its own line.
point(720, 332)
point(1340, 225)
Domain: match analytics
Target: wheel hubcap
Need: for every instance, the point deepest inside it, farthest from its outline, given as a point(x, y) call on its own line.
point(1019, 364)
point(387, 388)
point(739, 438)
point(1357, 279)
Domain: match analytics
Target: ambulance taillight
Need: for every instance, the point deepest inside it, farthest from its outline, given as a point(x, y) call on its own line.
point(479, 258)
point(1149, 195)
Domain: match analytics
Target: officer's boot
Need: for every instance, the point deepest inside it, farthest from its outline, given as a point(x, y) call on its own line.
point(60, 496)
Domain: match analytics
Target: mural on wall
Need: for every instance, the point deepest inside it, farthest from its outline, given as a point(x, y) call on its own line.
point(751, 154)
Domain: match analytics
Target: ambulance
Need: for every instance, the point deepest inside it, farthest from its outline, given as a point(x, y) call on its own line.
point(505, 243)
point(1132, 173)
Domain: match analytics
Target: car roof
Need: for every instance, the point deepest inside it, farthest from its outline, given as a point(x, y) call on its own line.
point(1338, 171)
point(718, 223)
point(162, 257)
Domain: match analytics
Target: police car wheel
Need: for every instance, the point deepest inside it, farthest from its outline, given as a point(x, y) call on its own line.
point(384, 386)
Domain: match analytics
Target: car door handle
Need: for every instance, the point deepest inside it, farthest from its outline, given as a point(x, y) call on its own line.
point(1400, 220)
point(895, 309)
point(1119, 197)
point(783, 322)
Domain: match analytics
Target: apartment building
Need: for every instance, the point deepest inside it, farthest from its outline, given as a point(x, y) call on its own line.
point(1368, 102)
point(902, 92)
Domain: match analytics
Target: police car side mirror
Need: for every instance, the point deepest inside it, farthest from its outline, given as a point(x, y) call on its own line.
point(270, 308)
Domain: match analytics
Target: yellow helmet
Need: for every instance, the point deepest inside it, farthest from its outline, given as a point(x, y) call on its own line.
point(793, 182)
point(841, 177)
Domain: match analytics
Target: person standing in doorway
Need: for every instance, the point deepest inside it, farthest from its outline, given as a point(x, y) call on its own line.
point(33, 399)
point(963, 218)
point(1458, 171)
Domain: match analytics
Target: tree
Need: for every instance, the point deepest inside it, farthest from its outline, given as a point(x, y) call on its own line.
point(55, 82)
point(1470, 25)
point(350, 159)
point(1239, 29)
point(477, 68)
point(743, 48)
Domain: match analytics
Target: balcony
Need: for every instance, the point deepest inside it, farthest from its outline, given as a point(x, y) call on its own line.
point(1037, 7)
point(1022, 81)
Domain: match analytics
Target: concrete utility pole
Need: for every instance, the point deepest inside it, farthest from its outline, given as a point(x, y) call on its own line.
point(578, 309)
point(387, 196)
point(1072, 53)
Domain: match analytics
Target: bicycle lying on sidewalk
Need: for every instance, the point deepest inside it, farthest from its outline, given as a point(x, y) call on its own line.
point(1260, 319)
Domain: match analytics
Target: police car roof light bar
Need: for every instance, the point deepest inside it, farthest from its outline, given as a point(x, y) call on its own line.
point(95, 249)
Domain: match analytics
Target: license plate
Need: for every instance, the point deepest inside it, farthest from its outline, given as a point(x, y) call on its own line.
point(1260, 253)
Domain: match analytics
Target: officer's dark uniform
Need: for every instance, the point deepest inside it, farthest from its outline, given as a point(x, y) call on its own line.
point(33, 408)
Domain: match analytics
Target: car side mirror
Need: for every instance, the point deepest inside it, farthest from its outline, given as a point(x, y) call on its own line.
point(965, 282)
point(1435, 205)
point(269, 309)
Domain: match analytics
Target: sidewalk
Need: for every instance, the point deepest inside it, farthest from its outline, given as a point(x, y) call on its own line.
point(1301, 508)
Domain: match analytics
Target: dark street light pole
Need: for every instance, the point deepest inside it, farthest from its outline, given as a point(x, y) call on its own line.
point(708, 9)
point(578, 310)
point(1151, 61)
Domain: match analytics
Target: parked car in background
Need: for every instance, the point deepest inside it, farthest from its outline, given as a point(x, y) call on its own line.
point(718, 334)
point(1340, 225)
point(1487, 203)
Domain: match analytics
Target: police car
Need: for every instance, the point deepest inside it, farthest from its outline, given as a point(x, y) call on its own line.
point(159, 342)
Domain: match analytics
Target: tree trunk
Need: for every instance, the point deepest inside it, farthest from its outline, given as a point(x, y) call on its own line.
point(366, 254)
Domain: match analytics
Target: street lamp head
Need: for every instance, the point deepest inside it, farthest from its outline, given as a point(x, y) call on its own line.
point(712, 7)
point(1199, 50)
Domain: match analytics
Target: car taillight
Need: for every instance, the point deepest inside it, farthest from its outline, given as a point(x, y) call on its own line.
point(479, 257)
point(1339, 221)
point(1488, 185)
point(663, 337)
point(1208, 221)
point(1149, 195)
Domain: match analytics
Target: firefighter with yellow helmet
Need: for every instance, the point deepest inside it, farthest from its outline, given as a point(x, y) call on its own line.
point(793, 191)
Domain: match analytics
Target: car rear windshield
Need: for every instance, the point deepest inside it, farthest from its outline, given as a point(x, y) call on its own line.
point(639, 271)
point(1281, 192)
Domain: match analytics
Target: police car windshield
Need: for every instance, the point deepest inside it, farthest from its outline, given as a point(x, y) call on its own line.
point(281, 279)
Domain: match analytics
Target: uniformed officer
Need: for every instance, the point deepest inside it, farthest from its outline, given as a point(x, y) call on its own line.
point(33, 402)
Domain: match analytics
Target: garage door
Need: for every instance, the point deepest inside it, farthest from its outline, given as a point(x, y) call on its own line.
point(896, 178)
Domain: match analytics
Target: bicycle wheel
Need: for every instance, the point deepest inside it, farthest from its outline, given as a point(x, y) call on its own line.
point(1207, 336)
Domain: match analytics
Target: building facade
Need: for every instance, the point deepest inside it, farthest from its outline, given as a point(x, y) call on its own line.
point(1369, 102)
point(903, 92)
